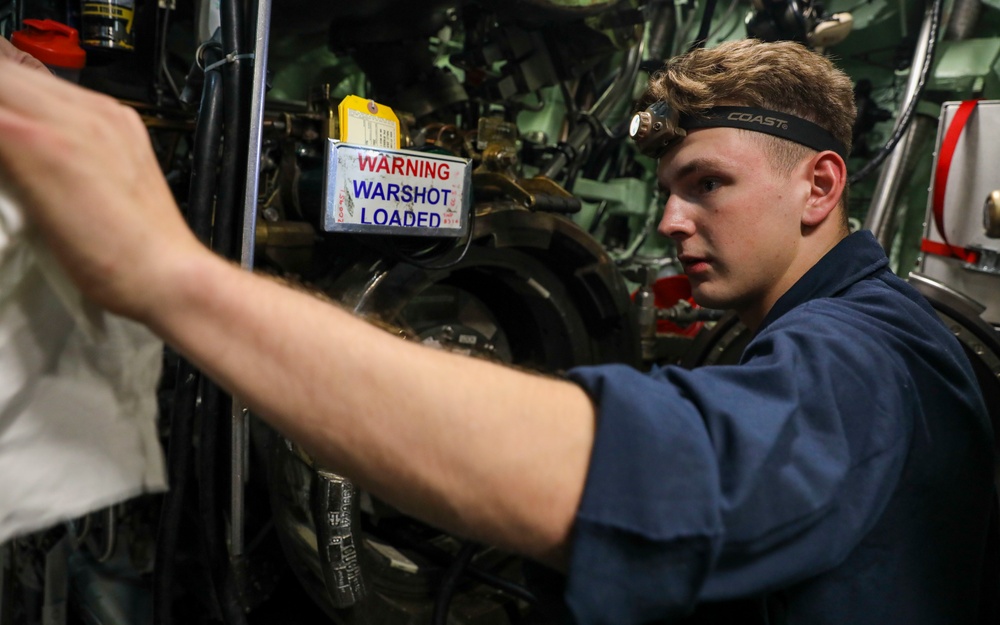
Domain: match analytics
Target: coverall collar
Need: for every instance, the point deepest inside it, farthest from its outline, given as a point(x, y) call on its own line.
point(855, 258)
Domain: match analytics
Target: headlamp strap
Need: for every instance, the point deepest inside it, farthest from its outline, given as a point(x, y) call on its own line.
point(774, 123)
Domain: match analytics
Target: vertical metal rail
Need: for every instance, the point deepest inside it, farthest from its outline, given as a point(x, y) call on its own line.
point(881, 217)
point(896, 171)
point(240, 431)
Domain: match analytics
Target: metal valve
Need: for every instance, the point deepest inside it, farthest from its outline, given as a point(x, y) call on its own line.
point(991, 215)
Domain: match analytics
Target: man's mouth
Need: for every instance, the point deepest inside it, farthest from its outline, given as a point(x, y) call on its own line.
point(693, 264)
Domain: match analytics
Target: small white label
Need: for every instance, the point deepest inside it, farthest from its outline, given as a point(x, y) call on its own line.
point(370, 130)
point(395, 192)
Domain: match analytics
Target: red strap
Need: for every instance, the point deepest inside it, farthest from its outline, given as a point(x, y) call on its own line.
point(941, 182)
point(943, 249)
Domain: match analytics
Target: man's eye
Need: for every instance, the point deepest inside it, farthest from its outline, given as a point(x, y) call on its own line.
point(709, 184)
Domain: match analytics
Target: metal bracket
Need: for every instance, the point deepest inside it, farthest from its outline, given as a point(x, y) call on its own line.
point(535, 194)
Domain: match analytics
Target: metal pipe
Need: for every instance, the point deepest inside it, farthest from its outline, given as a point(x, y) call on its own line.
point(240, 430)
point(898, 167)
point(620, 88)
point(925, 52)
point(880, 214)
point(963, 20)
point(881, 219)
point(663, 27)
point(261, 40)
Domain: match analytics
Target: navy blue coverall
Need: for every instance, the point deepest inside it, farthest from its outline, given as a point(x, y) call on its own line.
point(841, 473)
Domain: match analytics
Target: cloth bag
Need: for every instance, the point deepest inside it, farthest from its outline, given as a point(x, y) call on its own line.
point(77, 393)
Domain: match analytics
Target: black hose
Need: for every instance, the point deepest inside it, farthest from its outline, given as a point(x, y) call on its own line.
point(178, 470)
point(438, 556)
point(706, 25)
point(220, 124)
point(511, 588)
point(223, 240)
point(602, 209)
point(202, 186)
point(911, 107)
point(234, 159)
point(232, 174)
point(213, 412)
point(440, 262)
point(207, 141)
point(662, 31)
point(450, 582)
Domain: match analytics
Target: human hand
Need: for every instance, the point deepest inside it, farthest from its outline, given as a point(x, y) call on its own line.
point(82, 168)
point(8, 51)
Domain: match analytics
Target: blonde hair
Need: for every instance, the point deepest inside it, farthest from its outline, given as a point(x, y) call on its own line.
point(781, 76)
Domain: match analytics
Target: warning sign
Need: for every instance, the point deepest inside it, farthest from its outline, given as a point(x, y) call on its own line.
point(395, 192)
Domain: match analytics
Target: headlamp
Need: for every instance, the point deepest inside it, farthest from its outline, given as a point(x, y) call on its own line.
point(656, 128)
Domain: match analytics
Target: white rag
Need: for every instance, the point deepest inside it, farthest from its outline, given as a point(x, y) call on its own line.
point(77, 393)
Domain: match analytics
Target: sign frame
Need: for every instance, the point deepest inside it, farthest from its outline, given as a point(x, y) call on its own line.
point(387, 176)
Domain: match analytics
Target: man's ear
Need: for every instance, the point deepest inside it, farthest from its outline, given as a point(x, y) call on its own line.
point(828, 174)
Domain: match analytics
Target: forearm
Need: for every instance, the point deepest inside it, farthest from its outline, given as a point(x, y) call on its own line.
point(489, 452)
point(480, 449)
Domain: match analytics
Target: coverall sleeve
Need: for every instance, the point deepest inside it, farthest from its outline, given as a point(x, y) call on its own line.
point(730, 481)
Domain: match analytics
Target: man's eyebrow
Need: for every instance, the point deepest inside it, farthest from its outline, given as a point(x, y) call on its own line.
point(692, 167)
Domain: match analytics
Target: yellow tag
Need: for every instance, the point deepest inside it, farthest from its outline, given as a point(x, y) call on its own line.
point(366, 122)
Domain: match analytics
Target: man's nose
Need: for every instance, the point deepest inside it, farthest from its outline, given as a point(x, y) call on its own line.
point(676, 221)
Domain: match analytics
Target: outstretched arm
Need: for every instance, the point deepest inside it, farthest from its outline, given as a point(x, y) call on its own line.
point(481, 450)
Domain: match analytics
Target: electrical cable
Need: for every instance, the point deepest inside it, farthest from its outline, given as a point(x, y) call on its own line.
point(224, 240)
point(570, 103)
point(736, 24)
point(430, 266)
point(509, 587)
point(205, 151)
point(911, 107)
point(211, 417)
point(662, 27)
point(208, 140)
point(602, 209)
point(439, 555)
point(683, 31)
point(178, 468)
point(233, 166)
point(706, 25)
point(162, 70)
point(449, 583)
point(722, 20)
point(620, 89)
point(629, 252)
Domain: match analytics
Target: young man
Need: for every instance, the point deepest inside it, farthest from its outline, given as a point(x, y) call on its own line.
point(840, 474)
